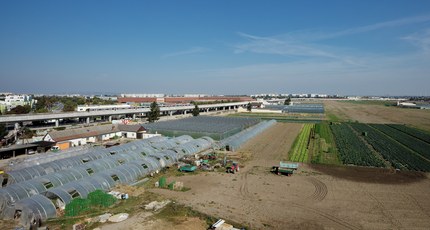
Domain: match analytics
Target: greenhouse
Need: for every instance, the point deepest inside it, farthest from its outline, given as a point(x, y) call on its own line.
point(36, 199)
point(28, 173)
point(215, 127)
point(236, 141)
point(304, 108)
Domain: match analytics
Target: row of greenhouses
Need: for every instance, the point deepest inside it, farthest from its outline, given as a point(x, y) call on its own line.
point(55, 165)
point(215, 127)
point(36, 198)
point(236, 141)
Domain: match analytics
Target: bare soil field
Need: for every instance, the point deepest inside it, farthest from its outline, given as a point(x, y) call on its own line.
point(368, 113)
point(316, 197)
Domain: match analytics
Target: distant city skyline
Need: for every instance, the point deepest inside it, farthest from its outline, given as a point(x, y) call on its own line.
point(216, 47)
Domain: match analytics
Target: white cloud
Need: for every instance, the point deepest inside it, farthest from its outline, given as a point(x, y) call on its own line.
point(421, 40)
point(193, 50)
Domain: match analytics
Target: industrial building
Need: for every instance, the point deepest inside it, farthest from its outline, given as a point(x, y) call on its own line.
point(181, 100)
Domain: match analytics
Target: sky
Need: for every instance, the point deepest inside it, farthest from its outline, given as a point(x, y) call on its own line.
point(216, 47)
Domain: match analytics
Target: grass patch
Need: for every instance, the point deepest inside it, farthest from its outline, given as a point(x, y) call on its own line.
point(323, 146)
point(332, 117)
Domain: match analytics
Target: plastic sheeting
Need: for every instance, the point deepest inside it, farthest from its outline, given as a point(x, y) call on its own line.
point(122, 167)
point(28, 173)
point(234, 142)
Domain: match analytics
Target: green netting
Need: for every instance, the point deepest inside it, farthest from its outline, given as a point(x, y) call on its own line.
point(99, 198)
point(77, 206)
point(162, 182)
point(171, 185)
point(95, 199)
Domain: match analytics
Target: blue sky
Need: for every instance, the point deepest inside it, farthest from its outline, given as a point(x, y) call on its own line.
point(216, 47)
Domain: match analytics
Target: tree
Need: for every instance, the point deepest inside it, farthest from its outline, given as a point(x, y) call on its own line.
point(20, 109)
point(287, 101)
point(3, 131)
point(249, 107)
point(69, 106)
point(154, 113)
point(196, 110)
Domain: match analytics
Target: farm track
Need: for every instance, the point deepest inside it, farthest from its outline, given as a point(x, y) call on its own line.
point(244, 186)
point(320, 189)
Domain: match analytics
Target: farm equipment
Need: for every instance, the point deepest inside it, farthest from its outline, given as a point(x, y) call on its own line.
point(285, 168)
point(187, 168)
point(233, 168)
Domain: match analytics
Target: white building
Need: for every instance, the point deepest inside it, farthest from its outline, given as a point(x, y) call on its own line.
point(13, 100)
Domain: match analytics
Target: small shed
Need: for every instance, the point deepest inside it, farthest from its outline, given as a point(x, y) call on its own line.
point(132, 131)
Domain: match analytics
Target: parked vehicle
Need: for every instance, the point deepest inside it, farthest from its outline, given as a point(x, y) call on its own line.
point(285, 168)
point(233, 168)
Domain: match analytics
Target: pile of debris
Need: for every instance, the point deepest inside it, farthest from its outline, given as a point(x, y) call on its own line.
point(222, 225)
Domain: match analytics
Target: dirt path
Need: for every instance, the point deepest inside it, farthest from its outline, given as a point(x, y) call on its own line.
point(378, 114)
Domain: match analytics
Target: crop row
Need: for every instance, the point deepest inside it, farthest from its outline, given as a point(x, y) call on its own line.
point(413, 132)
point(409, 141)
point(351, 149)
point(300, 151)
point(398, 155)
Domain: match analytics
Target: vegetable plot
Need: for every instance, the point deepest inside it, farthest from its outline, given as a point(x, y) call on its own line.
point(300, 150)
point(351, 149)
point(397, 154)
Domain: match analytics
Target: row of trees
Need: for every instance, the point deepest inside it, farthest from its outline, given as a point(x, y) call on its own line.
point(48, 103)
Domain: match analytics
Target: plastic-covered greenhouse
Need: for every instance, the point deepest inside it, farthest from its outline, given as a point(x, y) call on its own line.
point(304, 108)
point(215, 127)
point(33, 194)
point(234, 142)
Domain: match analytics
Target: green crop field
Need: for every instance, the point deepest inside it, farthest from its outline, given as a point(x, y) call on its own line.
point(351, 149)
point(398, 154)
point(300, 150)
point(323, 146)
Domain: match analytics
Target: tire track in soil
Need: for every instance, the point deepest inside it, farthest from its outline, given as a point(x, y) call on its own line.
point(414, 201)
point(386, 213)
point(335, 219)
point(244, 186)
point(320, 189)
point(339, 221)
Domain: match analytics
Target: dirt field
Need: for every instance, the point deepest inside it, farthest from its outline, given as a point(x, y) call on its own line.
point(321, 197)
point(378, 114)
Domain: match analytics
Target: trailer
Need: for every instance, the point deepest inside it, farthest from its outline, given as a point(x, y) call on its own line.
point(285, 168)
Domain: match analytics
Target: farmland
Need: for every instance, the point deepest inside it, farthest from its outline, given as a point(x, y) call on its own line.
point(344, 111)
point(413, 132)
point(407, 140)
point(315, 197)
point(397, 154)
point(323, 148)
point(300, 150)
point(353, 150)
